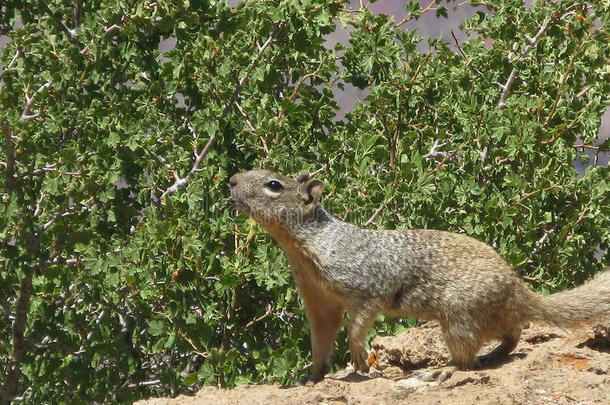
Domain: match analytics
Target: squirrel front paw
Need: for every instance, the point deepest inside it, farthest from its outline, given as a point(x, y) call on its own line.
point(318, 375)
point(359, 359)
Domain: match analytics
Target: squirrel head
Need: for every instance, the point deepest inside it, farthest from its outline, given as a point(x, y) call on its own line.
point(275, 201)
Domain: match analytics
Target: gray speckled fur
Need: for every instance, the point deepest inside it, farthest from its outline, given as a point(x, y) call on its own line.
point(459, 281)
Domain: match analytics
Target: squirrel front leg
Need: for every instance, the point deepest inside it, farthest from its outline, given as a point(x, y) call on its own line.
point(325, 316)
point(360, 321)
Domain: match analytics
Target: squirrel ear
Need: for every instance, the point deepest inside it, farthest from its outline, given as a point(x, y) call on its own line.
point(303, 177)
point(313, 191)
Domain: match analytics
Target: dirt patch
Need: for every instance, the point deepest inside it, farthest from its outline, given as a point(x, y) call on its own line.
point(549, 366)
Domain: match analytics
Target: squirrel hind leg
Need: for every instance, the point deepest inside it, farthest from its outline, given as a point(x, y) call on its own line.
point(501, 352)
point(463, 343)
point(463, 346)
point(463, 350)
point(435, 374)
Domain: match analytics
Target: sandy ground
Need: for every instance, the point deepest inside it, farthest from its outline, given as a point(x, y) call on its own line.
point(550, 366)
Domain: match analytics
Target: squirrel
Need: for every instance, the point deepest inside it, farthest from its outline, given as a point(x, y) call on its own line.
point(461, 282)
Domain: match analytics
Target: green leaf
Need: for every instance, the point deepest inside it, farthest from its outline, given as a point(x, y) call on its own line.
point(155, 327)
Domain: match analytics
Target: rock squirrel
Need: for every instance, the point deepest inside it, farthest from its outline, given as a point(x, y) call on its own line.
point(459, 281)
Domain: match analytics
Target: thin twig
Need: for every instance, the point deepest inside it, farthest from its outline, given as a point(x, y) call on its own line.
point(264, 143)
point(13, 61)
point(38, 209)
point(535, 280)
point(302, 79)
point(245, 117)
point(541, 242)
point(188, 340)
point(258, 319)
point(583, 92)
point(566, 127)
point(421, 65)
point(447, 158)
point(409, 17)
point(190, 128)
point(111, 30)
point(531, 44)
point(585, 146)
point(563, 81)
point(72, 261)
point(533, 193)
point(457, 44)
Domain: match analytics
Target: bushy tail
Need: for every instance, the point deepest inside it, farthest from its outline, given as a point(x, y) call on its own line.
point(589, 303)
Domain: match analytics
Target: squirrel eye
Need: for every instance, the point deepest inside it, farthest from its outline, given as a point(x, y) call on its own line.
point(274, 185)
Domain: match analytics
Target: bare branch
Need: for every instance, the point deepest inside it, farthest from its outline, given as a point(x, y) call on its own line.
point(190, 341)
point(77, 13)
point(29, 101)
point(144, 383)
point(568, 126)
point(111, 30)
point(56, 218)
point(58, 260)
point(246, 76)
point(190, 128)
point(533, 193)
point(71, 33)
point(260, 318)
point(179, 182)
point(12, 63)
point(10, 385)
point(245, 117)
point(583, 92)
point(327, 165)
point(67, 213)
point(531, 44)
point(38, 209)
point(434, 151)
point(541, 242)
point(41, 170)
point(512, 76)
point(378, 211)
point(264, 143)
point(585, 146)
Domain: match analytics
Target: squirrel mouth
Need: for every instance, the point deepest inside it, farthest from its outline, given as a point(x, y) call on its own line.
point(240, 205)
